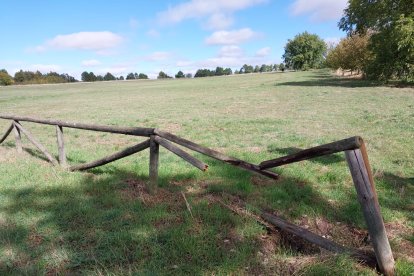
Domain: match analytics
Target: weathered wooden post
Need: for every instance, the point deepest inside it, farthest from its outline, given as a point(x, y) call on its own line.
point(153, 164)
point(6, 133)
point(18, 137)
point(364, 184)
point(61, 146)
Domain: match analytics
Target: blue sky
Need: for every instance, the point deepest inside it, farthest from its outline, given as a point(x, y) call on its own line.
point(149, 36)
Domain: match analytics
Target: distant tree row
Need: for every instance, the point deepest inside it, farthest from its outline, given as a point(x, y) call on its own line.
point(247, 69)
point(29, 77)
point(90, 77)
point(219, 71)
point(136, 76)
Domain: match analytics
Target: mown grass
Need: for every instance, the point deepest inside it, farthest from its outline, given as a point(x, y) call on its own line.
point(102, 222)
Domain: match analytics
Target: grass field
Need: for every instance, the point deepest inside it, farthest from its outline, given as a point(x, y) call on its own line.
point(103, 222)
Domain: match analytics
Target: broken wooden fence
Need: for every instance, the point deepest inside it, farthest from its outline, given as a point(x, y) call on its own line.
point(354, 148)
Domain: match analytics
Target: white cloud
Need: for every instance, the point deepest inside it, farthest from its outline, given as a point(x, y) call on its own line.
point(44, 68)
point(231, 37)
point(264, 52)
point(212, 9)
point(101, 42)
point(116, 70)
point(319, 10)
point(219, 21)
point(158, 56)
point(228, 56)
point(230, 51)
point(91, 62)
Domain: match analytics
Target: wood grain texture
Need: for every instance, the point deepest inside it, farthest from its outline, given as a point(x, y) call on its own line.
point(17, 137)
point(313, 238)
point(338, 146)
point(215, 154)
point(61, 146)
point(179, 152)
point(153, 164)
point(370, 207)
point(135, 131)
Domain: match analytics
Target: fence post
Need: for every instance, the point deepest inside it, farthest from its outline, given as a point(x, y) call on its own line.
point(18, 137)
point(61, 146)
point(153, 164)
point(362, 177)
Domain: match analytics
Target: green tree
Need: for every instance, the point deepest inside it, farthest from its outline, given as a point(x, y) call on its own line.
point(351, 53)
point(5, 78)
point(305, 51)
point(142, 76)
point(282, 67)
point(109, 77)
point(246, 69)
point(179, 75)
point(162, 75)
point(228, 71)
point(130, 76)
point(391, 25)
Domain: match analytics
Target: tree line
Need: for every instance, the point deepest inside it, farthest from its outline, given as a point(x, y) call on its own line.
point(30, 77)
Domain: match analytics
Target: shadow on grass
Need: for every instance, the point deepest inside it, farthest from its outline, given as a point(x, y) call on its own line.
point(399, 193)
point(107, 223)
point(327, 80)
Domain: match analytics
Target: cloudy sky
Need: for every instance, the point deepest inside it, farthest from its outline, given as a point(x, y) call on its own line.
point(149, 36)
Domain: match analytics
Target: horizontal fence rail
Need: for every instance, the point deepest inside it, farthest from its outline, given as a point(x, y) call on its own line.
point(354, 148)
point(135, 131)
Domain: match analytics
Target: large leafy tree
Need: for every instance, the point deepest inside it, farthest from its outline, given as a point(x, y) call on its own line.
point(305, 51)
point(391, 24)
point(109, 77)
point(351, 53)
point(142, 76)
point(179, 75)
point(162, 75)
point(5, 78)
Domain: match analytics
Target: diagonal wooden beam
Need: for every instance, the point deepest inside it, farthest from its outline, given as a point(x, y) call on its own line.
point(31, 138)
point(113, 157)
point(313, 238)
point(6, 134)
point(215, 154)
point(179, 152)
point(338, 146)
point(18, 137)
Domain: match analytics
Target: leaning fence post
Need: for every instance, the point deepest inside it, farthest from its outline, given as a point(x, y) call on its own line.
point(18, 137)
point(362, 177)
point(61, 146)
point(153, 164)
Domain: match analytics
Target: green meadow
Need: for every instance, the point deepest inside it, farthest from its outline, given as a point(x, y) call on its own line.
point(103, 222)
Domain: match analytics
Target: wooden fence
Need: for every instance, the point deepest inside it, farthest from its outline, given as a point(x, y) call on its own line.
point(354, 148)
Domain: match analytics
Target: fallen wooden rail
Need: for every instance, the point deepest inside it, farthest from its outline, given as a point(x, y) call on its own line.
point(357, 159)
point(313, 238)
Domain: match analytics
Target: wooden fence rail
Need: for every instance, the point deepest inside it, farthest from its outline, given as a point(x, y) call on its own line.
point(354, 148)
